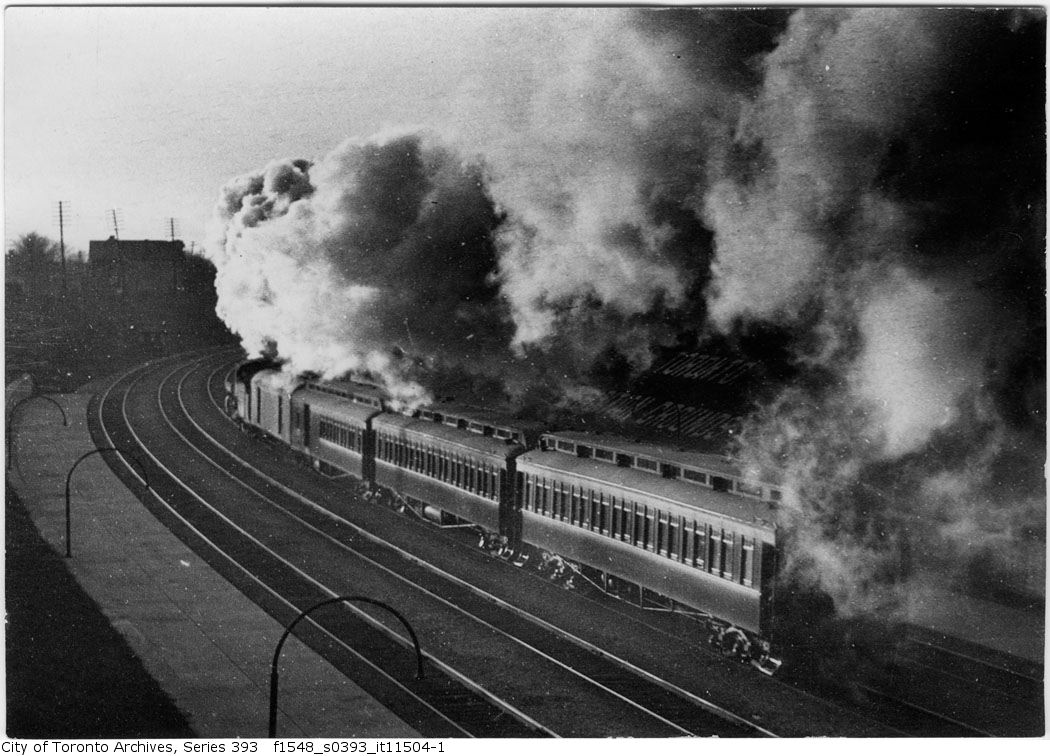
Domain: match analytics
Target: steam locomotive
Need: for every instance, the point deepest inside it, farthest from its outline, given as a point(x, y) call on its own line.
point(660, 527)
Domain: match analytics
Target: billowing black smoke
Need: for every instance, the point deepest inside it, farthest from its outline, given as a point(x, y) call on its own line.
point(862, 190)
point(887, 212)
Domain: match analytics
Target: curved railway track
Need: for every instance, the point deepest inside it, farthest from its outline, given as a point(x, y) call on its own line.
point(485, 662)
point(501, 660)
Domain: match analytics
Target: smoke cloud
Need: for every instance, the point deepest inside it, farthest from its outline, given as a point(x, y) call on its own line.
point(866, 185)
point(891, 154)
point(383, 244)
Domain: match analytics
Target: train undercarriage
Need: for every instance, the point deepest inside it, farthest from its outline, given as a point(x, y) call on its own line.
point(731, 641)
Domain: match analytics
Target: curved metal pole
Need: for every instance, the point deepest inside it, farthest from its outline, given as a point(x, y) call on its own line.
point(69, 477)
point(9, 435)
point(302, 615)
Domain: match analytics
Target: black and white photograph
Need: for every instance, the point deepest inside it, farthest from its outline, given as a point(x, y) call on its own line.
point(379, 378)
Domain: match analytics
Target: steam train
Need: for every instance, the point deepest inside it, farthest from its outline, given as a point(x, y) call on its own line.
point(663, 528)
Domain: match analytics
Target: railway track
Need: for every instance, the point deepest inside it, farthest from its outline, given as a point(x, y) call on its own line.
point(283, 548)
point(962, 691)
point(313, 520)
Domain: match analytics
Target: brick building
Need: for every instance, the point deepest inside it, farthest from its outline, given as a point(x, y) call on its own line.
point(137, 267)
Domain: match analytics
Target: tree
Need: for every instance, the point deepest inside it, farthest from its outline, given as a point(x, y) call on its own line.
point(34, 258)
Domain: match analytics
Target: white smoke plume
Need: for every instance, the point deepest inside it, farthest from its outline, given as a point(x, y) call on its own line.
point(381, 244)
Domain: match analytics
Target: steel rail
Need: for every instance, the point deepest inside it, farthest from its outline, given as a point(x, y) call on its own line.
point(586, 645)
point(926, 712)
point(488, 695)
point(234, 563)
point(407, 581)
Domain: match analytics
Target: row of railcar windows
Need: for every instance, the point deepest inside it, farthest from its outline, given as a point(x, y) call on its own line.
point(714, 550)
point(341, 434)
point(461, 471)
point(665, 469)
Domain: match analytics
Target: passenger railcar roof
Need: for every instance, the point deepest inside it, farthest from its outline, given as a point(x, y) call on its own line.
point(347, 387)
point(715, 463)
point(493, 416)
point(689, 495)
point(336, 407)
point(445, 436)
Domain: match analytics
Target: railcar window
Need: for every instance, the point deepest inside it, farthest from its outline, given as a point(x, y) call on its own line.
point(576, 515)
point(645, 464)
point(280, 414)
point(721, 484)
point(747, 560)
point(674, 546)
point(661, 534)
point(566, 446)
point(642, 531)
point(604, 454)
point(693, 475)
point(624, 460)
point(671, 471)
point(727, 555)
point(714, 551)
point(700, 541)
point(604, 520)
point(584, 452)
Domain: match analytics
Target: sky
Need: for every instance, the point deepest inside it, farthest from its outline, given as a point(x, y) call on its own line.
point(150, 111)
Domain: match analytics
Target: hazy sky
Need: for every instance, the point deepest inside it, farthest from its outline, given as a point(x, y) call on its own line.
point(151, 110)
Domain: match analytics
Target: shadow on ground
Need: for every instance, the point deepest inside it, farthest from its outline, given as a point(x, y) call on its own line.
point(69, 673)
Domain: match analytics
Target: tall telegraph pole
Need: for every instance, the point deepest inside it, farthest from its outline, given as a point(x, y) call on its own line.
point(62, 242)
